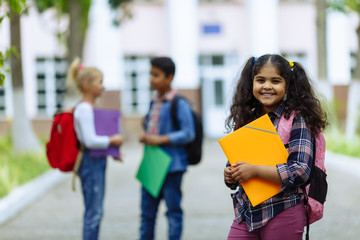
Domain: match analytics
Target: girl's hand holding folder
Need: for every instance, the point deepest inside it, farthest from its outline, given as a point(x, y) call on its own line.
point(228, 175)
point(239, 172)
point(243, 171)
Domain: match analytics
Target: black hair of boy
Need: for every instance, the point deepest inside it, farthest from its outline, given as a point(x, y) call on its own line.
point(165, 64)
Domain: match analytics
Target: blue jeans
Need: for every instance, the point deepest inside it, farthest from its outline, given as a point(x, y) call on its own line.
point(171, 192)
point(92, 175)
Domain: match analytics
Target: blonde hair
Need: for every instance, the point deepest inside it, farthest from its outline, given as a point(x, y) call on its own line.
point(78, 74)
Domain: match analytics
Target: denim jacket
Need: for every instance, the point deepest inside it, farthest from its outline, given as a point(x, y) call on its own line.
point(178, 137)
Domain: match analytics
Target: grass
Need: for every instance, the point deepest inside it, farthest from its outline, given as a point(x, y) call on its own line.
point(336, 142)
point(18, 169)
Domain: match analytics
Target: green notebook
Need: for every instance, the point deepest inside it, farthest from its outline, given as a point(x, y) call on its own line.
point(153, 169)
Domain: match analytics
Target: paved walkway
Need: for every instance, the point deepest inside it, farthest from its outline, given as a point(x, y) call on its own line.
point(207, 204)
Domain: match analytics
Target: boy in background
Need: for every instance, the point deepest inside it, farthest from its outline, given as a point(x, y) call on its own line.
point(159, 131)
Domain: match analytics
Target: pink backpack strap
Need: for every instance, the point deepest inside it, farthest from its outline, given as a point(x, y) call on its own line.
point(320, 151)
point(285, 126)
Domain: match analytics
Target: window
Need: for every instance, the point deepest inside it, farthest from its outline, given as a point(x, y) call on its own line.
point(216, 72)
point(352, 63)
point(211, 60)
point(60, 81)
point(41, 85)
point(217, 60)
point(219, 92)
point(50, 79)
point(137, 93)
point(2, 101)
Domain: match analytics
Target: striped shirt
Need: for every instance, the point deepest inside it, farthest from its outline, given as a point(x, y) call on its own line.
point(293, 174)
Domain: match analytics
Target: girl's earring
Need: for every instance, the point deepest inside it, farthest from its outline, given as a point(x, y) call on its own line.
point(285, 97)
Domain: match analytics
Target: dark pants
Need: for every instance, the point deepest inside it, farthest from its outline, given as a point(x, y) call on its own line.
point(171, 192)
point(92, 175)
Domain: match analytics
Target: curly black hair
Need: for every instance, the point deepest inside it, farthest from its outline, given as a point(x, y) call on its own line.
point(300, 95)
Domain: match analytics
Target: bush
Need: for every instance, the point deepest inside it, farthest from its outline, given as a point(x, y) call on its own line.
point(18, 169)
point(336, 142)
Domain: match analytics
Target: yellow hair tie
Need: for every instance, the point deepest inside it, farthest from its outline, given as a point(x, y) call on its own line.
point(291, 63)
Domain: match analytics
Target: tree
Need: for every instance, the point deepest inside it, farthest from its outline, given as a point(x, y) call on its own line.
point(348, 6)
point(23, 137)
point(122, 9)
point(321, 7)
point(352, 119)
point(6, 53)
point(78, 13)
point(3, 56)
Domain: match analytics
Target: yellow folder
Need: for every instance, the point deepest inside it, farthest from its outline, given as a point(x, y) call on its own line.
point(257, 143)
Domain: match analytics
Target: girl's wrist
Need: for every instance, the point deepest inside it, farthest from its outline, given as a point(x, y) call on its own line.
point(256, 171)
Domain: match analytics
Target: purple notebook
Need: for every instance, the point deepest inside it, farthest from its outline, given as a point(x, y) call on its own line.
point(107, 123)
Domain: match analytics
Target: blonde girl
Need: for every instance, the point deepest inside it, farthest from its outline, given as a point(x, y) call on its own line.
point(89, 81)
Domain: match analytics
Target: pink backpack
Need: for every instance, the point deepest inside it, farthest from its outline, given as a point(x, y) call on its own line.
point(316, 187)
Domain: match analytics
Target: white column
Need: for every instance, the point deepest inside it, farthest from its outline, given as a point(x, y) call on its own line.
point(353, 113)
point(338, 48)
point(262, 27)
point(183, 31)
point(339, 65)
point(103, 47)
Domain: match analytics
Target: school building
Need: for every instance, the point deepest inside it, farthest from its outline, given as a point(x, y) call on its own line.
point(209, 41)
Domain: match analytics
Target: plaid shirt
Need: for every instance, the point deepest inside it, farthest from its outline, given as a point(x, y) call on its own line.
point(293, 174)
point(154, 114)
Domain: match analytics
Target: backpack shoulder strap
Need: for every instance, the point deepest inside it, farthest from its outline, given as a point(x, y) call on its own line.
point(320, 151)
point(174, 103)
point(146, 117)
point(284, 128)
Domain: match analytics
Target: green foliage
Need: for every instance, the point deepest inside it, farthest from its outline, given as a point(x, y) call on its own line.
point(336, 142)
point(62, 7)
point(4, 56)
point(345, 5)
point(17, 6)
point(114, 4)
point(333, 107)
point(2, 78)
point(18, 169)
point(337, 5)
point(353, 5)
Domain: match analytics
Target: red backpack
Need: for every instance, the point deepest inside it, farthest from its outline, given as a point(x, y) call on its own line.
point(63, 147)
